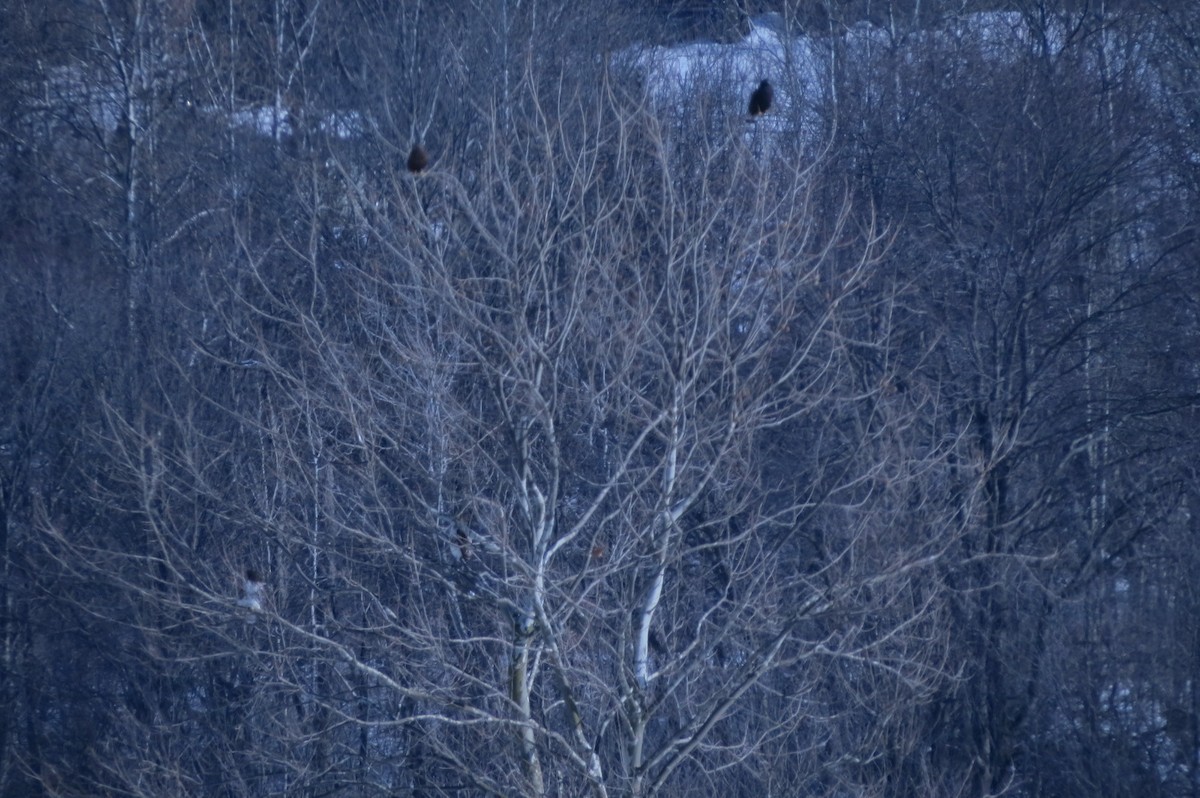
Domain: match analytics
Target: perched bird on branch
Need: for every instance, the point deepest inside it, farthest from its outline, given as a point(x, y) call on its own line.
point(418, 159)
point(252, 591)
point(761, 98)
point(462, 539)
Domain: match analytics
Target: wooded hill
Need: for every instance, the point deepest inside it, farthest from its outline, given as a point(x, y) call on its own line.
point(629, 445)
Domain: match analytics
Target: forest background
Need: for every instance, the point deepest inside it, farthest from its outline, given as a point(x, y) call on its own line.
point(631, 448)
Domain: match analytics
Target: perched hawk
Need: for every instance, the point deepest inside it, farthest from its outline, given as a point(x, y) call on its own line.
point(418, 159)
point(760, 99)
point(252, 591)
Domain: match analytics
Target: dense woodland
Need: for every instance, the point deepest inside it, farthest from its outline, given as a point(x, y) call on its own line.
point(630, 448)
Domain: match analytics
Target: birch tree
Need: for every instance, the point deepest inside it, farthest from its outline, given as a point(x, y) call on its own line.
point(563, 473)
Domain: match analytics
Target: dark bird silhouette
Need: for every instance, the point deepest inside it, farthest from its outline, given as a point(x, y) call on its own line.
point(252, 591)
point(761, 98)
point(462, 539)
point(418, 159)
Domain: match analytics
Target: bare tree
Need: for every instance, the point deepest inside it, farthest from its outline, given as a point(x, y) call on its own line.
point(1016, 168)
point(626, 448)
point(510, 463)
